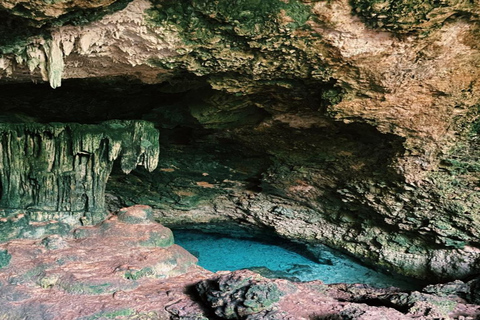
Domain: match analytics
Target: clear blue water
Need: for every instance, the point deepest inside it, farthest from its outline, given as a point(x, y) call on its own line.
point(217, 252)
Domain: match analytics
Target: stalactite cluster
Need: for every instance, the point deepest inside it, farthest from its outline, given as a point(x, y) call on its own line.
point(64, 167)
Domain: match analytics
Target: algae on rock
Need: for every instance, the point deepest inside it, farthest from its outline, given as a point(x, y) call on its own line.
point(59, 170)
point(404, 16)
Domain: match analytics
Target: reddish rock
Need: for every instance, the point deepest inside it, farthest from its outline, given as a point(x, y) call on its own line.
point(127, 267)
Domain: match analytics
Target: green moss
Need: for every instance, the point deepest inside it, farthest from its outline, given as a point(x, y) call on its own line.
point(5, 258)
point(245, 36)
point(138, 274)
point(69, 187)
point(159, 239)
point(111, 314)
point(16, 33)
point(85, 288)
point(251, 18)
point(257, 54)
point(31, 275)
point(261, 297)
point(475, 124)
point(408, 15)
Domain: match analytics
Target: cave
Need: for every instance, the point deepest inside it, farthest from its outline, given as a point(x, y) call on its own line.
point(344, 125)
point(206, 153)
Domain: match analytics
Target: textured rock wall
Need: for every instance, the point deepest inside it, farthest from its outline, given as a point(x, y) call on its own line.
point(50, 169)
point(357, 121)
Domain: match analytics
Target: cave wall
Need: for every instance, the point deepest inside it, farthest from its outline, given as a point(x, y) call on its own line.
point(351, 123)
point(57, 172)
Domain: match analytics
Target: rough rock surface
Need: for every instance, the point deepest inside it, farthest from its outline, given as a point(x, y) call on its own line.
point(127, 267)
point(117, 268)
point(53, 176)
point(246, 295)
point(351, 123)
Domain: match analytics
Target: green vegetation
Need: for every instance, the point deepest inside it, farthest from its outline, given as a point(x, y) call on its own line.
point(16, 33)
point(408, 15)
point(250, 18)
point(117, 314)
point(32, 275)
point(261, 296)
point(137, 274)
point(62, 169)
point(247, 37)
point(159, 239)
point(126, 314)
point(4, 258)
point(63, 182)
point(83, 288)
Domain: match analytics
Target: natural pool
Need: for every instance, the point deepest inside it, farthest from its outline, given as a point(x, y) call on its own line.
point(216, 252)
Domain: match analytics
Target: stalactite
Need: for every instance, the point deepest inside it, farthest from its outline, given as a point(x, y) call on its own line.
point(55, 63)
point(64, 167)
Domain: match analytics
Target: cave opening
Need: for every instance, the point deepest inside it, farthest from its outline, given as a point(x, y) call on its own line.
point(230, 159)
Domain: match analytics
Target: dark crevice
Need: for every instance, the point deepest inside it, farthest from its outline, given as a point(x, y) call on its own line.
point(379, 302)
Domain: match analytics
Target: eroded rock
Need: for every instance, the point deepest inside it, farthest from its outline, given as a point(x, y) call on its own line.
point(112, 270)
point(59, 171)
point(368, 137)
point(239, 295)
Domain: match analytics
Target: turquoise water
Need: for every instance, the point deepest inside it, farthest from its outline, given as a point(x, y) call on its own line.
point(282, 260)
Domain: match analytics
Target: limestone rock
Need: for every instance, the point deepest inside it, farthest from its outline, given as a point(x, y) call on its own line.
point(364, 114)
point(239, 295)
point(108, 270)
point(44, 10)
point(59, 171)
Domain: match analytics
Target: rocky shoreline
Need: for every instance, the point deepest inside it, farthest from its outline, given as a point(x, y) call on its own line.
point(128, 267)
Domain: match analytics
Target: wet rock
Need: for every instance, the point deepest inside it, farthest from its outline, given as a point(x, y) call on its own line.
point(239, 295)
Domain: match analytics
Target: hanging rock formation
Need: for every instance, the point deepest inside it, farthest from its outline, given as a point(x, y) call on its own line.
point(58, 171)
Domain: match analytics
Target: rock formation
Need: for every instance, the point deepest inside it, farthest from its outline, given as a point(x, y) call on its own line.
point(127, 267)
point(349, 123)
point(59, 171)
point(100, 272)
